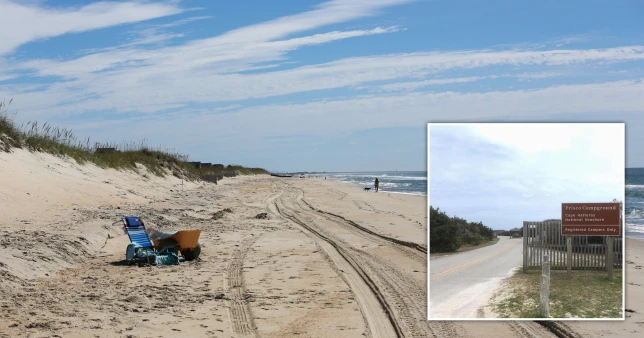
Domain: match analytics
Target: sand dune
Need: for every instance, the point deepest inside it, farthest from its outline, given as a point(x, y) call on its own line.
point(329, 260)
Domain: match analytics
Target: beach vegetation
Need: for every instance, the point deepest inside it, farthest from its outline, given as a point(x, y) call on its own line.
point(449, 234)
point(589, 294)
point(129, 155)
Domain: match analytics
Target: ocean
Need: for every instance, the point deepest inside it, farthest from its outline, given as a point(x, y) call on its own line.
point(634, 208)
point(402, 182)
point(415, 182)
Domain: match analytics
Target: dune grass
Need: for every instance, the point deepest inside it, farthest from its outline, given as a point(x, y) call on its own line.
point(62, 142)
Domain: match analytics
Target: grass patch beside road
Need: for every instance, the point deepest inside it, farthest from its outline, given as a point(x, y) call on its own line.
point(465, 248)
point(589, 294)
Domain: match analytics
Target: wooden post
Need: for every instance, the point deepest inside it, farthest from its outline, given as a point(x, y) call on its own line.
point(609, 257)
point(569, 258)
point(545, 288)
point(525, 247)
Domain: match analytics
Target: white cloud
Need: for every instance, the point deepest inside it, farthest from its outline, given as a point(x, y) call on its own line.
point(405, 110)
point(412, 85)
point(530, 138)
point(132, 78)
point(7, 77)
point(330, 12)
point(193, 56)
point(201, 72)
point(574, 152)
point(536, 76)
point(22, 23)
point(185, 21)
point(151, 37)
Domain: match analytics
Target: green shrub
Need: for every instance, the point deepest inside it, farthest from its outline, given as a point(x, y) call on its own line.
point(447, 234)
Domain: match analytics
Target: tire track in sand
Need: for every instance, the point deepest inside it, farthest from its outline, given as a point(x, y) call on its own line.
point(399, 297)
point(374, 308)
point(559, 329)
point(241, 317)
point(351, 224)
point(531, 329)
point(406, 296)
point(380, 301)
point(401, 290)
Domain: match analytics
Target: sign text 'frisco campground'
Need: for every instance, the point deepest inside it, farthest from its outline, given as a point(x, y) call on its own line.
point(590, 219)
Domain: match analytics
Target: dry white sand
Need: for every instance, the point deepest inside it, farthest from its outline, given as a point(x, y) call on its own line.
point(329, 261)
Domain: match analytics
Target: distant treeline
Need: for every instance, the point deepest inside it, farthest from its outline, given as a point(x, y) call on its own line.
point(448, 234)
point(507, 233)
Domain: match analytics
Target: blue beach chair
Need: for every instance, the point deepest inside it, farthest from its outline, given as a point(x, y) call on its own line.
point(141, 248)
point(135, 229)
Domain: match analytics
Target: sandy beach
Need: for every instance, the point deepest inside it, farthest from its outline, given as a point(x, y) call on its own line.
point(633, 326)
point(329, 260)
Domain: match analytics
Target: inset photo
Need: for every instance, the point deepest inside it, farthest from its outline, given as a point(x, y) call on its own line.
point(526, 221)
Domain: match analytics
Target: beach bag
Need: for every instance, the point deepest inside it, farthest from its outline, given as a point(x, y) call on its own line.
point(167, 258)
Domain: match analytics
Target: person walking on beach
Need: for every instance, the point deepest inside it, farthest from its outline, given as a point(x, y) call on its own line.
point(376, 183)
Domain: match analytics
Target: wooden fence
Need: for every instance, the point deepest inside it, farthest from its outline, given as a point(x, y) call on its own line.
point(588, 252)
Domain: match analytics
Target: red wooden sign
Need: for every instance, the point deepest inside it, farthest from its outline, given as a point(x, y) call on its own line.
point(590, 219)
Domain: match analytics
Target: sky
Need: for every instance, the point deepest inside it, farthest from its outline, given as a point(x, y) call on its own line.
point(339, 85)
point(505, 173)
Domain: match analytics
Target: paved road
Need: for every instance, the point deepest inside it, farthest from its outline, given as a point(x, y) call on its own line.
point(460, 284)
